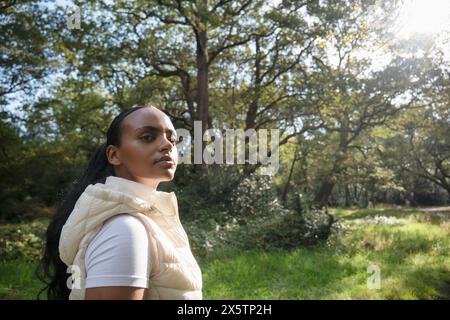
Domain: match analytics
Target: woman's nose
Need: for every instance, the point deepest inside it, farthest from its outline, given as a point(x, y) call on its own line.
point(166, 144)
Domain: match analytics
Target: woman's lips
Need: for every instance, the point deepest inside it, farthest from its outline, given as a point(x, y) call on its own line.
point(166, 161)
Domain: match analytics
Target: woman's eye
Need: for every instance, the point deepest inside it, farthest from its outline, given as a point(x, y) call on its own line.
point(147, 138)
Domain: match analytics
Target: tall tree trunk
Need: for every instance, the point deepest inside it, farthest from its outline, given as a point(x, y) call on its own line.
point(288, 182)
point(366, 197)
point(347, 196)
point(202, 112)
point(321, 198)
point(250, 119)
point(324, 193)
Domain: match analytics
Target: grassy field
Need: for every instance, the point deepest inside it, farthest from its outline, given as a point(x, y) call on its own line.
point(408, 249)
point(17, 280)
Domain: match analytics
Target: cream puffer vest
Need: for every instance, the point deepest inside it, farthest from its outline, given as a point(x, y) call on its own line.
point(174, 274)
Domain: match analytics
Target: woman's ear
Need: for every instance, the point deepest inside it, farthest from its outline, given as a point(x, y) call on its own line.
point(113, 155)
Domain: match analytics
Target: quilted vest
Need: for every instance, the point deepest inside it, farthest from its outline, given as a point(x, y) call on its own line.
point(174, 274)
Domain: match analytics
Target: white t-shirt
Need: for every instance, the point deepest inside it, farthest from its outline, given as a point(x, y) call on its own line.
point(119, 254)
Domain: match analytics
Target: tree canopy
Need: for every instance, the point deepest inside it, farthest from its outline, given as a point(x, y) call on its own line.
point(363, 112)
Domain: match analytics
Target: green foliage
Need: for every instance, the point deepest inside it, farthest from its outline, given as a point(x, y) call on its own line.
point(26, 30)
point(255, 196)
point(413, 257)
point(22, 241)
point(283, 230)
point(254, 218)
point(338, 109)
point(364, 132)
point(411, 248)
point(18, 280)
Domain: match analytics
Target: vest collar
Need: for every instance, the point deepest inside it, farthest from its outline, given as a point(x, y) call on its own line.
point(165, 202)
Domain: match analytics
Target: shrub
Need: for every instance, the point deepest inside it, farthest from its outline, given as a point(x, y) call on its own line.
point(254, 196)
point(254, 219)
point(22, 241)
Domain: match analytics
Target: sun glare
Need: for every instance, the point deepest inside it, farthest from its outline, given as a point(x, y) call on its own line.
point(424, 16)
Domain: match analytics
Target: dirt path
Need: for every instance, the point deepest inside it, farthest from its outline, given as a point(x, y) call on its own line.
point(437, 210)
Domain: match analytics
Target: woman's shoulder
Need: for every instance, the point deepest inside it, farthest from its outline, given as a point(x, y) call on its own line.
point(123, 231)
point(125, 223)
point(119, 254)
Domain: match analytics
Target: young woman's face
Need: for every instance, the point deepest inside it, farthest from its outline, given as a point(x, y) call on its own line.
point(147, 152)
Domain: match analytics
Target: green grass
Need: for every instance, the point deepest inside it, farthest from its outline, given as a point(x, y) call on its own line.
point(17, 280)
point(411, 249)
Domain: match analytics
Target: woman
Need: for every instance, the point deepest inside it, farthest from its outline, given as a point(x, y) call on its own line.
point(115, 236)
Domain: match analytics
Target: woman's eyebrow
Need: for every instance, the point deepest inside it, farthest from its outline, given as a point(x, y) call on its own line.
point(156, 129)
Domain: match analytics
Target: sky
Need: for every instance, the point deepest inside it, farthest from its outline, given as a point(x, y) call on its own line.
point(424, 16)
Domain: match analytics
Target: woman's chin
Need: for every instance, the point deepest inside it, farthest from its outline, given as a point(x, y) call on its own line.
point(167, 174)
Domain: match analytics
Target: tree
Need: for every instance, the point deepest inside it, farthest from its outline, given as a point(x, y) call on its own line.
point(131, 42)
point(26, 54)
point(351, 96)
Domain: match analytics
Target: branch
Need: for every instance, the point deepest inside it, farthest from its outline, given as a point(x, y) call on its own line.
point(219, 4)
point(188, 125)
